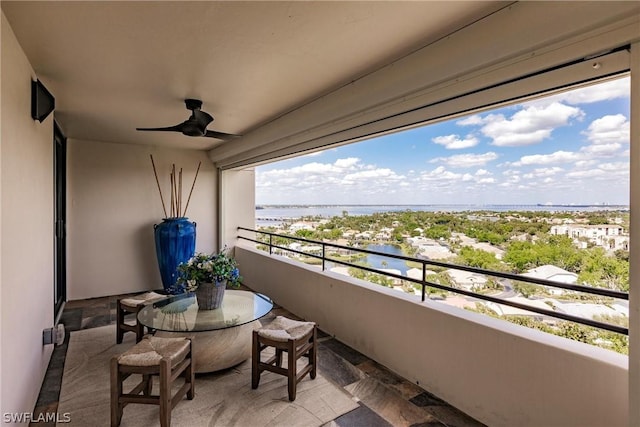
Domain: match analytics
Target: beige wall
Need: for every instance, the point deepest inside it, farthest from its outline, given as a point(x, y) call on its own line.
point(113, 204)
point(26, 233)
point(499, 373)
point(238, 204)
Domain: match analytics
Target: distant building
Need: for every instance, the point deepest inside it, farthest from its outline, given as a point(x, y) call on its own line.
point(383, 235)
point(608, 236)
point(365, 235)
point(551, 272)
point(301, 226)
point(466, 279)
point(556, 274)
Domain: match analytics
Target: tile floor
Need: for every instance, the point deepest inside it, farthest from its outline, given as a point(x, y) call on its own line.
point(385, 399)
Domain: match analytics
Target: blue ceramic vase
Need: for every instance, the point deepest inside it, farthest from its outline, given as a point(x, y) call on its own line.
point(175, 244)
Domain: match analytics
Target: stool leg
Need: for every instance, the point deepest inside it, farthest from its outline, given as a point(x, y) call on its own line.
point(291, 371)
point(116, 392)
point(190, 375)
point(119, 322)
point(165, 393)
point(139, 327)
point(148, 384)
point(313, 355)
point(255, 360)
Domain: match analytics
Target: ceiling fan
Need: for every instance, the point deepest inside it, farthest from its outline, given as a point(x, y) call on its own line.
point(196, 125)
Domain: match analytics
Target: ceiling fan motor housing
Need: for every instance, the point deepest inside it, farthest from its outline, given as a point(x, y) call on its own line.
point(193, 104)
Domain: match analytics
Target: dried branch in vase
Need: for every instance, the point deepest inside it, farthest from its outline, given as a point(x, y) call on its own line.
point(175, 182)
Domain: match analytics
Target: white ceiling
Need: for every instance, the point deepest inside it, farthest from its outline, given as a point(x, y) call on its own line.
point(115, 66)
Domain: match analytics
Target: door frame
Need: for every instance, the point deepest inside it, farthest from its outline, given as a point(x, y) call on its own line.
point(60, 218)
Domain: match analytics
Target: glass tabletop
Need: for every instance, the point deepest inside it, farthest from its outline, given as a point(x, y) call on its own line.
point(180, 313)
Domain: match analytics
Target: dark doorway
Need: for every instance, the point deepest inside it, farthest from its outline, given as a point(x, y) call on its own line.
point(60, 202)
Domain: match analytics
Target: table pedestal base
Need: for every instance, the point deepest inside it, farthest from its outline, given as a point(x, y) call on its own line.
point(219, 349)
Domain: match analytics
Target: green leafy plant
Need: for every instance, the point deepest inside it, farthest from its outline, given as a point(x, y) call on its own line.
point(209, 268)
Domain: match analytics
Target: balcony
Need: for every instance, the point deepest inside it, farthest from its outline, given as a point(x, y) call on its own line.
point(482, 366)
point(292, 78)
point(385, 399)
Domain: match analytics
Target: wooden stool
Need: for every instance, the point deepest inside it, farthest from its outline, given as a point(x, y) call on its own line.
point(297, 339)
point(133, 305)
point(166, 357)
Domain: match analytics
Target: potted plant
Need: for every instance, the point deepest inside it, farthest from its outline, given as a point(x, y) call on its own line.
point(207, 275)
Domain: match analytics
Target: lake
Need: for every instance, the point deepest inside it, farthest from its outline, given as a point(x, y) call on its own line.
point(376, 261)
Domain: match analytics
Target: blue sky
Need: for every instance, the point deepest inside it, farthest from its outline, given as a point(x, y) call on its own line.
point(568, 148)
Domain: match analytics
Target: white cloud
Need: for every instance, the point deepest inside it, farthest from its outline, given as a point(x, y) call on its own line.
point(614, 171)
point(528, 126)
point(486, 181)
point(346, 163)
point(609, 129)
point(373, 173)
point(482, 172)
point(543, 172)
point(589, 173)
point(614, 167)
point(613, 89)
point(581, 164)
point(594, 171)
point(347, 179)
point(471, 121)
point(602, 150)
point(440, 174)
point(453, 142)
point(548, 159)
point(466, 160)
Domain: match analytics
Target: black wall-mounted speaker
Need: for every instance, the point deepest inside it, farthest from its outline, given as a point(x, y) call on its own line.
point(42, 102)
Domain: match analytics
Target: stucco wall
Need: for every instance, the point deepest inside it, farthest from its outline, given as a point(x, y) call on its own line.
point(113, 204)
point(26, 232)
point(499, 373)
point(238, 197)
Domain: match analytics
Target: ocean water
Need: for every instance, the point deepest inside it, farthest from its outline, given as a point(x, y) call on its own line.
point(270, 215)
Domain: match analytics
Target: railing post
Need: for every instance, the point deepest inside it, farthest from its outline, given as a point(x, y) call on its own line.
point(270, 244)
point(424, 279)
point(323, 255)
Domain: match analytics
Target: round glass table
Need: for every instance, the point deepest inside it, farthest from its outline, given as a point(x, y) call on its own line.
point(222, 337)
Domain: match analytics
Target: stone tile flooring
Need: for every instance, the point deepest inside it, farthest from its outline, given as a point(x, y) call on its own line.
point(385, 399)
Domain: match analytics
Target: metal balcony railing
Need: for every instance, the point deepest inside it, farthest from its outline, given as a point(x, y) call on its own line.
point(425, 283)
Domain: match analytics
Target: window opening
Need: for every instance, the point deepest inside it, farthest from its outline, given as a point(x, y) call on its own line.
point(538, 188)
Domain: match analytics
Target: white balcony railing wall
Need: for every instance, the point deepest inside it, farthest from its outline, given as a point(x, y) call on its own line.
point(499, 373)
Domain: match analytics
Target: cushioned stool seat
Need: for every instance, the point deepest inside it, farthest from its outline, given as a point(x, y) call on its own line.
point(168, 358)
point(133, 305)
point(294, 337)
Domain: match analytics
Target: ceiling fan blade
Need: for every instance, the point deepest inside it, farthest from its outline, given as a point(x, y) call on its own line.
point(203, 118)
point(220, 135)
point(176, 128)
point(196, 124)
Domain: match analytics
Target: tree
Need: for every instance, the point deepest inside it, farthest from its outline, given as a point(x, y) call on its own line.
point(600, 270)
point(437, 232)
point(554, 250)
point(526, 289)
point(478, 258)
